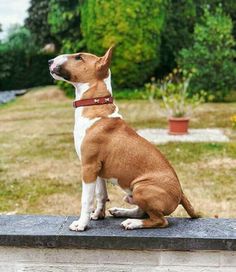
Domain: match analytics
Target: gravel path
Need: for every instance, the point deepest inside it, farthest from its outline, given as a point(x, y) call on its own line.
point(7, 96)
point(161, 136)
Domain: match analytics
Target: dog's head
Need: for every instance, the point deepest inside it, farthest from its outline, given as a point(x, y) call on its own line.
point(80, 67)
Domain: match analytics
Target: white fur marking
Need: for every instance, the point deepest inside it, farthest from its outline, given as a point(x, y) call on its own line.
point(115, 113)
point(130, 224)
point(59, 60)
point(122, 212)
point(107, 82)
point(80, 89)
point(87, 200)
point(81, 123)
point(101, 197)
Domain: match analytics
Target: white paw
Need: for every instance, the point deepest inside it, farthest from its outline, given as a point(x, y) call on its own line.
point(94, 216)
point(129, 224)
point(77, 226)
point(116, 212)
point(98, 214)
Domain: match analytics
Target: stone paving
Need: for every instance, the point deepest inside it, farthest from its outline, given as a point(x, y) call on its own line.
point(161, 136)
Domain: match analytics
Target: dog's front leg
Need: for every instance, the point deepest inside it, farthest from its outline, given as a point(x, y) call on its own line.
point(102, 198)
point(88, 192)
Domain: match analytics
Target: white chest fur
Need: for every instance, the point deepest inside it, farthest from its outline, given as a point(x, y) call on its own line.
point(81, 125)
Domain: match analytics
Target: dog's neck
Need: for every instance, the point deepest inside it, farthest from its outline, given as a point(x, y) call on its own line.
point(98, 88)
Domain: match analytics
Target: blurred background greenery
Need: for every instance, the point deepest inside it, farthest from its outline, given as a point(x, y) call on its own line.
point(151, 39)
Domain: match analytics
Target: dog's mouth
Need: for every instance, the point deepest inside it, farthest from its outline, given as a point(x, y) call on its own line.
point(60, 72)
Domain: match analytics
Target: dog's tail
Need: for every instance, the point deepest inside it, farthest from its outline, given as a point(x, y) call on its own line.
point(188, 207)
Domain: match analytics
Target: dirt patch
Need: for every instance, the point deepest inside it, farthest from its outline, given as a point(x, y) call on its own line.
point(47, 93)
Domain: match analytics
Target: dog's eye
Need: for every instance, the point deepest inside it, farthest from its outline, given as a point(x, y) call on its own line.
point(78, 57)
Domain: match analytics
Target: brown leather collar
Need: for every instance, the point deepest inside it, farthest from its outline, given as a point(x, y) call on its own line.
point(93, 101)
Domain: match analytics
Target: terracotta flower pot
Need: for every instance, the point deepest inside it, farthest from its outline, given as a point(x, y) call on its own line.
point(178, 126)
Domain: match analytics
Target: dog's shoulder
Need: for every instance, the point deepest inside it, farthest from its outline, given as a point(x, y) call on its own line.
point(107, 125)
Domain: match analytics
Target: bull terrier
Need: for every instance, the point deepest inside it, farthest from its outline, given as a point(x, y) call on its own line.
point(110, 150)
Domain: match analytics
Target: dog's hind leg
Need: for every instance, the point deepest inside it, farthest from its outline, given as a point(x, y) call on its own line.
point(155, 220)
point(151, 200)
point(121, 212)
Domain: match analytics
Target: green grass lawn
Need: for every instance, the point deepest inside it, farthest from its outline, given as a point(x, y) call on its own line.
point(40, 172)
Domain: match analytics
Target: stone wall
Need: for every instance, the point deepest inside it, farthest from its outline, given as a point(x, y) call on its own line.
point(14, 259)
point(45, 244)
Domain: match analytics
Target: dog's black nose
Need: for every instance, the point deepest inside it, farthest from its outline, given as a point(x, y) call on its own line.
point(50, 62)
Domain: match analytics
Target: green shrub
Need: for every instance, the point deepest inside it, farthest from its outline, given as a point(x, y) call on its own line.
point(212, 55)
point(134, 27)
point(130, 94)
point(174, 90)
point(18, 71)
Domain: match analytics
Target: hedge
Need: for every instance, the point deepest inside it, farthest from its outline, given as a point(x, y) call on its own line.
point(19, 71)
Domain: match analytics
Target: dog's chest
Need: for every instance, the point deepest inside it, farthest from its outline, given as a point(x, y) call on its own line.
point(80, 128)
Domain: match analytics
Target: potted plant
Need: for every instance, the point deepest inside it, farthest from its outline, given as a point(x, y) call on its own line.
point(179, 103)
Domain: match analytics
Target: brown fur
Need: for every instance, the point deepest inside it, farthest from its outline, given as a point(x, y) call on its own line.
point(111, 149)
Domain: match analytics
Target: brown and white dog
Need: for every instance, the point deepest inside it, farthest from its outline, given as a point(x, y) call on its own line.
point(110, 150)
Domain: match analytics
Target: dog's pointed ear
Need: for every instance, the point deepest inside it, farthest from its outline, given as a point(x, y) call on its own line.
point(104, 62)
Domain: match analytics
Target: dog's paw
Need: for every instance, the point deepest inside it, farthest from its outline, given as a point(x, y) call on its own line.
point(116, 212)
point(130, 224)
point(97, 214)
point(77, 226)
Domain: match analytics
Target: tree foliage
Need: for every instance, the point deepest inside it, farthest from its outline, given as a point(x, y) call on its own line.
point(149, 37)
point(177, 33)
point(37, 22)
point(64, 21)
point(134, 27)
point(212, 55)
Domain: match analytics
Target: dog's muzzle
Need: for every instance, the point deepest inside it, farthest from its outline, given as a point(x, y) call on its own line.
point(58, 70)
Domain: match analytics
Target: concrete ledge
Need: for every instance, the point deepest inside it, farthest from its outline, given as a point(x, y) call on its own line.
point(53, 232)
